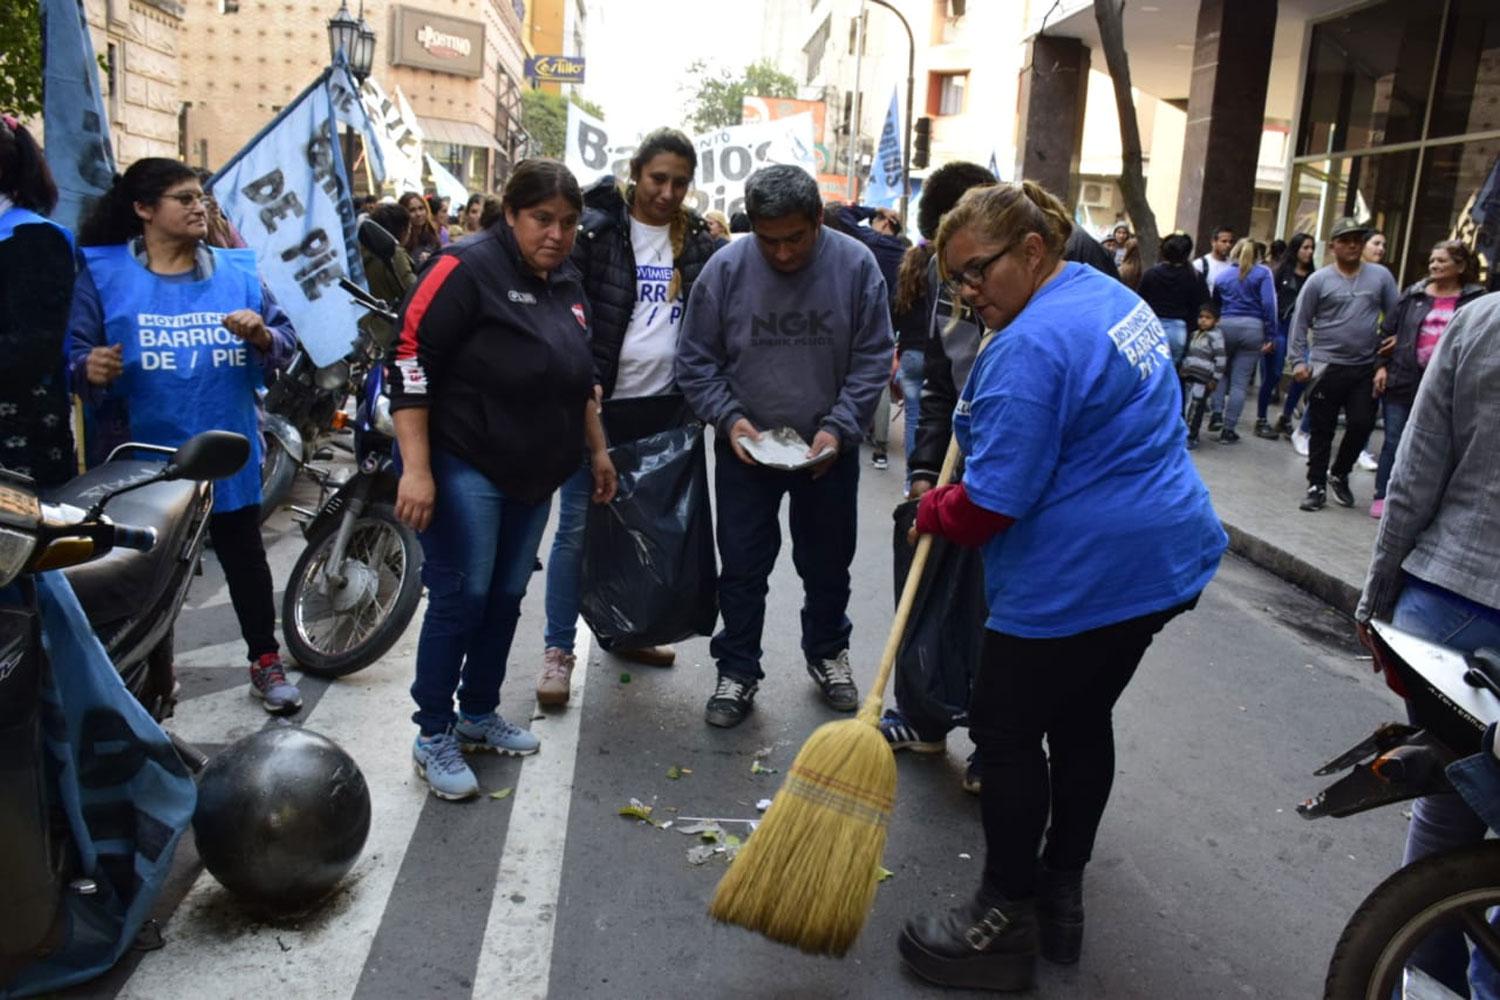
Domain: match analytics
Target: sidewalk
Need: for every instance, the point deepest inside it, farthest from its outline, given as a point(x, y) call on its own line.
point(1256, 486)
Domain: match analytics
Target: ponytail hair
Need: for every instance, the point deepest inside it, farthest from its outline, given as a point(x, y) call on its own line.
point(24, 176)
point(911, 278)
point(112, 219)
point(1006, 213)
point(1246, 255)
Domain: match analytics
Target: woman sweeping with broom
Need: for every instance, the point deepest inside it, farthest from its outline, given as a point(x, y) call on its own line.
point(1096, 532)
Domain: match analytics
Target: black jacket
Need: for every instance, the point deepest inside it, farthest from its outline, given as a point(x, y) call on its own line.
point(950, 355)
point(606, 261)
point(501, 359)
point(1404, 323)
point(1174, 291)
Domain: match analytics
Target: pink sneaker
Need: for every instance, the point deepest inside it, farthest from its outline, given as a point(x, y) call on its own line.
point(1377, 509)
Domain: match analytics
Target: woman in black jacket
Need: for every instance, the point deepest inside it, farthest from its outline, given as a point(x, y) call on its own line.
point(1291, 274)
point(492, 396)
point(1175, 291)
point(639, 251)
point(1418, 322)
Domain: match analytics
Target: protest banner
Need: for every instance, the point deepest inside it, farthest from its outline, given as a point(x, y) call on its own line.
point(884, 189)
point(75, 128)
point(398, 137)
point(349, 109)
point(287, 194)
point(726, 157)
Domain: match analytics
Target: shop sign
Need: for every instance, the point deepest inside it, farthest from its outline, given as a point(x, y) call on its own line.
point(555, 69)
point(437, 42)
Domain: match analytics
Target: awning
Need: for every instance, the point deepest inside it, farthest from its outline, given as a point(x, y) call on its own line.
point(456, 133)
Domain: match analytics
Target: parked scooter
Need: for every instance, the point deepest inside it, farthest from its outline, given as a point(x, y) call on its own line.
point(1453, 699)
point(356, 586)
point(141, 564)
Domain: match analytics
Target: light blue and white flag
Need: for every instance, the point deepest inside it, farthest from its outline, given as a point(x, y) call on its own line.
point(446, 185)
point(884, 189)
point(350, 110)
point(75, 127)
point(287, 194)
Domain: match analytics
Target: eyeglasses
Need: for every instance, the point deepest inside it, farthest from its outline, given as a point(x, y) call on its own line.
point(187, 199)
point(973, 275)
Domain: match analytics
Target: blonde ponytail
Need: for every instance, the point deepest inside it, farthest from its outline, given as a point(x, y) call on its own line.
point(1245, 256)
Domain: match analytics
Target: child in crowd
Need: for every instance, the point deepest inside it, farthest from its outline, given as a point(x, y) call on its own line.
point(1202, 368)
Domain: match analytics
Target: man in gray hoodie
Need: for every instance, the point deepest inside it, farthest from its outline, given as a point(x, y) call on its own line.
point(1338, 315)
point(787, 328)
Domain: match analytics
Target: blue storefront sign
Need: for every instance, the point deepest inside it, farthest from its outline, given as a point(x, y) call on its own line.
point(555, 69)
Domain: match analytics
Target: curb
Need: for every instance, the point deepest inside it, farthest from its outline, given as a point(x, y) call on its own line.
point(1340, 594)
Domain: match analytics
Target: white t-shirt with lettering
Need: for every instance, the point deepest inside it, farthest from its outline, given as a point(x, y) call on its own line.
point(650, 347)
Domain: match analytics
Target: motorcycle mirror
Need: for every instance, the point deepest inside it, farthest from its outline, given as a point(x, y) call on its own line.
point(210, 455)
point(377, 239)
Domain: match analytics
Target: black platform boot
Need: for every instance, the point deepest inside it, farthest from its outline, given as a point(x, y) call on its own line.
point(979, 946)
point(1059, 915)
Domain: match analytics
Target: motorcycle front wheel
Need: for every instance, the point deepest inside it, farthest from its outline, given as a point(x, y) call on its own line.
point(335, 630)
point(1453, 891)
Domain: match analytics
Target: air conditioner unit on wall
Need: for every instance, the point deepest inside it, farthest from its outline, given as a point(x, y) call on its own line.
point(1093, 195)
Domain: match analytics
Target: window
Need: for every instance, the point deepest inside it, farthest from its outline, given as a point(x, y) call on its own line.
point(112, 62)
point(857, 40)
point(816, 47)
point(945, 93)
point(1464, 100)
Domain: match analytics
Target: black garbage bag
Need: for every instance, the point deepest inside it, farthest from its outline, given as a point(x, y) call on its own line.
point(649, 574)
point(944, 636)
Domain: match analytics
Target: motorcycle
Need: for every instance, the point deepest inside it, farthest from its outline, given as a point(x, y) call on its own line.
point(355, 587)
point(303, 411)
point(49, 879)
point(1453, 698)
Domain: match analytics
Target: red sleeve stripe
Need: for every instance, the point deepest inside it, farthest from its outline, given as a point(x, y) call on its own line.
point(406, 346)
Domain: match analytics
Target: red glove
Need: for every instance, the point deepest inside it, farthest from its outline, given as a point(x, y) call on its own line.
point(948, 512)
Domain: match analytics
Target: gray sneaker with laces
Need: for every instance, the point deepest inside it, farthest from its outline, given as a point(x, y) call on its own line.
point(730, 703)
point(835, 678)
point(493, 733)
point(440, 763)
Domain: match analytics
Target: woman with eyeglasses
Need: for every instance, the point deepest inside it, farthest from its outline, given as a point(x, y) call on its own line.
point(1096, 532)
point(170, 337)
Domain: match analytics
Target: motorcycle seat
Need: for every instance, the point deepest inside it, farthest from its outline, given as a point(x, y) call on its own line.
point(124, 583)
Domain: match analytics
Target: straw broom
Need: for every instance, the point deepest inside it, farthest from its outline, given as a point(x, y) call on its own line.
point(808, 875)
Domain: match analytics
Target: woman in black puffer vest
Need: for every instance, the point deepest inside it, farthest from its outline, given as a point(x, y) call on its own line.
point(639, 251)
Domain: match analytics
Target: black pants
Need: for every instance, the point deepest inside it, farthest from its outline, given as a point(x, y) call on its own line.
point(242, 553)
point(1195, 401)
point(1352, 389)
point(1065, 690)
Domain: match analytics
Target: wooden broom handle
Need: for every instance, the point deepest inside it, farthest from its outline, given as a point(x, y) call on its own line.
point(870, 711)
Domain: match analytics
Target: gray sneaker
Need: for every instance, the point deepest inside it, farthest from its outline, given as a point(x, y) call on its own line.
point(440, 763)
point(268, 683)
point(835, 678)
point(493, 733)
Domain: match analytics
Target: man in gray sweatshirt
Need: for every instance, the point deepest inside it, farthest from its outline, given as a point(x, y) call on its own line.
point(1338, 313)
point(787, 328)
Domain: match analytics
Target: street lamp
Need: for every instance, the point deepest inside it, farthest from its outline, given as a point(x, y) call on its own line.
point(343, 34)
point(363, 58)
point(911, 61)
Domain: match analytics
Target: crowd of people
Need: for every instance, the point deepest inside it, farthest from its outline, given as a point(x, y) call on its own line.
point(1071, 380)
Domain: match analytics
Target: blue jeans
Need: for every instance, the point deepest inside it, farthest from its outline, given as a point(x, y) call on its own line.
point(477, 555)
point(1443, 822)
point(1176, 331)
point(1396, 412)
point(913, 366)
point(824, 518)
point(565, 565)
point(1271, 366)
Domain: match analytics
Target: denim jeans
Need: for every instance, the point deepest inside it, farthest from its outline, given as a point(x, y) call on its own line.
point(1176, 331)
point(1243, 338)
point(1396, 412)
point(477, 556)
point(1443, 822)
point(913, 367)
point(823, 517)
point(1271, 366)
point(565, 564)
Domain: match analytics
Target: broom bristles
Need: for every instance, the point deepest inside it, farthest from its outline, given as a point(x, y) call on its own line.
point(808, 875)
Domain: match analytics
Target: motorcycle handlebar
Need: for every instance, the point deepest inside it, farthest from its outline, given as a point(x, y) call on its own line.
point(129, 537)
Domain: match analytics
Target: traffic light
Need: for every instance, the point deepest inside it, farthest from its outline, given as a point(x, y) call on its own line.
point(921, 151)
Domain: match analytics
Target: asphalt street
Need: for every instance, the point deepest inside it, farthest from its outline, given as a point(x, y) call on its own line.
point(1205, 883)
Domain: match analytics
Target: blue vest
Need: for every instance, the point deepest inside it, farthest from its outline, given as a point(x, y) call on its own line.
point(185, 373)
point(14, 216)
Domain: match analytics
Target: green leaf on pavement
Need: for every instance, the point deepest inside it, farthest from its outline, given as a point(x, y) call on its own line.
point(624, 678)
point(636, 810)
point(503, 793)
point(756, 767)
point(882, 873)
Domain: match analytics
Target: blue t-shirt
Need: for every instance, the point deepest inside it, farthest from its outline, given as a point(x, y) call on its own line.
point(1070, 424)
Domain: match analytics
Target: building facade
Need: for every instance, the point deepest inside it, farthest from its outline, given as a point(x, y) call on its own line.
point(139, 42)
point(460, 67)
point(558, 28)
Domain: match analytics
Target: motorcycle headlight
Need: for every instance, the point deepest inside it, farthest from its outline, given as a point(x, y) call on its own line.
point(383, 422)
point(332, 377)
point(16, 548)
